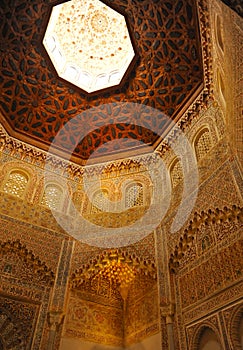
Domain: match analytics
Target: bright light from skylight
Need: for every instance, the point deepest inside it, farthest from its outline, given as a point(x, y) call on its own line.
point(89, 44)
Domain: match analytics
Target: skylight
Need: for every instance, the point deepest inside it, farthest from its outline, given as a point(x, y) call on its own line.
point(88, 44)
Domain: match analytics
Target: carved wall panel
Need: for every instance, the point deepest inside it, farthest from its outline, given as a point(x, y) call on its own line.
point(206, 232)
point(227, 36)
point(34, 238)
point(17, 261)
point(217, 273)
point(208, 270)
point(25, 288)
point(94, 322)
point(142, 317)
point(225, 323)
point(17, 322)
point(220, 190)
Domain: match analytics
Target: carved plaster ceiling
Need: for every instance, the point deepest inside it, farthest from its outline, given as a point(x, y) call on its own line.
point(118, 269)
point(166, 74)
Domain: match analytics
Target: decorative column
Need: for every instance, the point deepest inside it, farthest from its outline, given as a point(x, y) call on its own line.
point(56, 312)
point(55, 320)
point(164, 290)
point(167, 311)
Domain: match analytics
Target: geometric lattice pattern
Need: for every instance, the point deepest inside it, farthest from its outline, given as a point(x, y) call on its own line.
point(16, 183)
point(36, 103)
point(99, 201)
point(134, 195)
point(52, 197)
point(203, 144)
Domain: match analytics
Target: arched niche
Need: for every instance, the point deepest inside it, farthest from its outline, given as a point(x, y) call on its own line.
point(134, 194)
point(100, 201)
point(208, 340)
point(16, 183)
point(19, 180)
point(53, 196)
point(202, 142)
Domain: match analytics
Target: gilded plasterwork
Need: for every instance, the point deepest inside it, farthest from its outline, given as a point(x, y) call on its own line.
point(142, 317)
point(115, 280)
point(94, 322)
point(216, 273)
point(191, 279)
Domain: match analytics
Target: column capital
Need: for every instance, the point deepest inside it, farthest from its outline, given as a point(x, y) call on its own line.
point(55, 319)
point(167, 311)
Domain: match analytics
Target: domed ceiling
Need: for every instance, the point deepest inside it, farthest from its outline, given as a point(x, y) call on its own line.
point(36, 103)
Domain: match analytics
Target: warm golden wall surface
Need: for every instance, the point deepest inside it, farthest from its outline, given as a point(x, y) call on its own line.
point(49, 272)
point(185, 290)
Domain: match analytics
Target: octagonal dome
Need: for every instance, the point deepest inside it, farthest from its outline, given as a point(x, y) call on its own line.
point(89, 44)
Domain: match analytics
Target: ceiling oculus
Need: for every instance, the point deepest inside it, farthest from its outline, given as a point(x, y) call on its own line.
point(88, 44)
